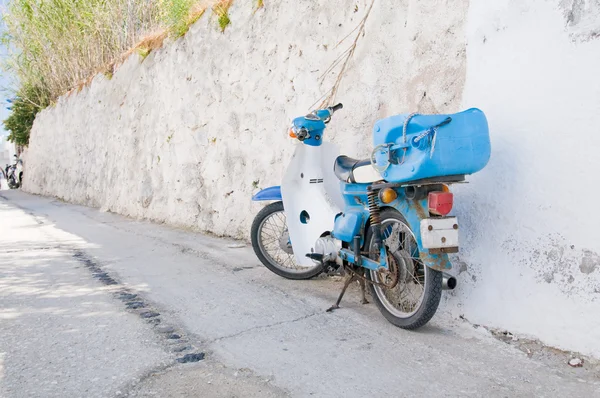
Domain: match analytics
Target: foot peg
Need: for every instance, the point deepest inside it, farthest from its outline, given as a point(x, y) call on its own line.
point(315, 257)
point(329, 267)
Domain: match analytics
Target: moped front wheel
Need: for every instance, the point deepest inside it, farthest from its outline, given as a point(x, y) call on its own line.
point(414, 299)
point(271, 243)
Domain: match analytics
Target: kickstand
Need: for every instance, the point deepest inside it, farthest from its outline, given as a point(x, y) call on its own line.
point(349, 279)
point(347, 283)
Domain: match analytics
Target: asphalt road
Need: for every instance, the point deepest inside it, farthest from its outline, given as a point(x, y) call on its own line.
point(93, 304)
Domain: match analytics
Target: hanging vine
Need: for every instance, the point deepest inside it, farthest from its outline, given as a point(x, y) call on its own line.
point(343, 59)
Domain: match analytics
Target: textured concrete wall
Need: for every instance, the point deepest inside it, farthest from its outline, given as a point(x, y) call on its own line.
point(186, 135)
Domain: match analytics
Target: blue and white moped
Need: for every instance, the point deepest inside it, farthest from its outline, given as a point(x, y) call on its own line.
point(383, 221)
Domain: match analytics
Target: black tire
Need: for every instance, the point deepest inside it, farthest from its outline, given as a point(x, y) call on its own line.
point(265, 258)
point(432, 292)
point(12, 184)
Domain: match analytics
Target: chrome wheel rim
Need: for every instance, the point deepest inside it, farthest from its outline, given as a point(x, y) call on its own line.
point(272, 242)
point(404, 299)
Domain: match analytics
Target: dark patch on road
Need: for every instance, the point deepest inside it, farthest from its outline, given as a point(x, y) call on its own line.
point(126, 296)
point(97, 272)
point(238, 269)
point(133, 302)
point(191, 358)
point(149, 314)
point(104, 278)
point(134, 305)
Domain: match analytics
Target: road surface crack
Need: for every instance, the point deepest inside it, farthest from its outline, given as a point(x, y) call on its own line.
point(264, 327)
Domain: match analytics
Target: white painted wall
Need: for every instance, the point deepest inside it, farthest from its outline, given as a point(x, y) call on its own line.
point(183, 136)
point(530, 228)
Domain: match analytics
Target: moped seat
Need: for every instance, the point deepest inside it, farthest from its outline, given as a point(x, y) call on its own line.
point(355, 171)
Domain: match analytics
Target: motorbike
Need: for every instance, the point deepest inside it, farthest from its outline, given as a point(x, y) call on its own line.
point(14, 174)
point(383, 221)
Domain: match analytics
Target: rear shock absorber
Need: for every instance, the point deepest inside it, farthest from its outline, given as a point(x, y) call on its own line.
point(374, 213)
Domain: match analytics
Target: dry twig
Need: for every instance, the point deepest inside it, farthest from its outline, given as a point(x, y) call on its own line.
point(344, 58)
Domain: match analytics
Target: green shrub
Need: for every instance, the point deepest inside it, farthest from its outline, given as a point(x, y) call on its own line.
point(28, 102)
point(55, 46)
point(221, 10)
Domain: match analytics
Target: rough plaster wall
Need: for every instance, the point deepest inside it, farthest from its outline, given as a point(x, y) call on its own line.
point(530, 260)
point(186, 135)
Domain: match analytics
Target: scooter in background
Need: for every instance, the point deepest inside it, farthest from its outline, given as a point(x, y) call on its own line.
point(14, 174)
point(383, 221)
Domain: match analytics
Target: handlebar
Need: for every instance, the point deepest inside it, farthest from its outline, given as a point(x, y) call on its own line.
point(336, 107)
point(323, 115)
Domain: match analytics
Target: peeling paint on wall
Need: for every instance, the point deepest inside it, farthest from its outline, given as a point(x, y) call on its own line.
point(557, 261)
point(582, 18)
point(590, 262)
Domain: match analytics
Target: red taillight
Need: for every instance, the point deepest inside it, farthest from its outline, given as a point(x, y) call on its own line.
point(440, 203)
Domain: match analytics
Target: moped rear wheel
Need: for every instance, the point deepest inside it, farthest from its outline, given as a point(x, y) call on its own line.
point(271, 243)
point(413, 301)
point(12, 184)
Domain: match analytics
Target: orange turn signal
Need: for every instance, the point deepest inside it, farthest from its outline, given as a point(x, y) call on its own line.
point(387, 195)
point(292, 134)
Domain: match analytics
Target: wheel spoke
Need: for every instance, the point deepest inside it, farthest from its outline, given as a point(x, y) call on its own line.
point(406, 297)
point(272, 229)
point(271, 232)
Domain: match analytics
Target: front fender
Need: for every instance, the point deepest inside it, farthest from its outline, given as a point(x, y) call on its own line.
point(414, 211)
point(271, 193)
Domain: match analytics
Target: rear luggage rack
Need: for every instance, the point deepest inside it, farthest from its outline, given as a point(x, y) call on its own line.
point(456, 179)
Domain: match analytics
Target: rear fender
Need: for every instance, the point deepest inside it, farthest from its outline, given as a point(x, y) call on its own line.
point(271, 193)
point(413, 212)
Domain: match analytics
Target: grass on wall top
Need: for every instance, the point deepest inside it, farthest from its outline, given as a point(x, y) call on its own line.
point(59, 45)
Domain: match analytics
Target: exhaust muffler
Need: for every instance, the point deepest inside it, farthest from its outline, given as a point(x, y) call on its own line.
point(448, 282)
